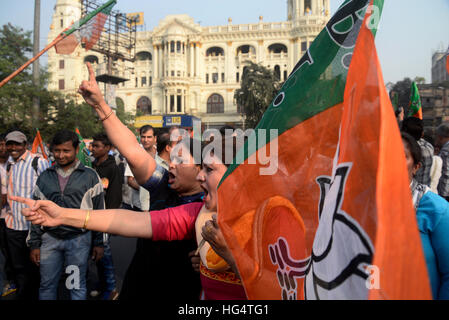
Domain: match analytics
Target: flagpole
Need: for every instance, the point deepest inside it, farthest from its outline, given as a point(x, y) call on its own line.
point(59, 38)
point(62, 36)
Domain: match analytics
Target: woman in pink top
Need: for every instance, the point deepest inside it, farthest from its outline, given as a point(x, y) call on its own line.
point(175, 223)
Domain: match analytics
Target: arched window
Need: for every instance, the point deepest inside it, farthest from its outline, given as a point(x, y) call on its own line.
point(92, 59)
point(214, 51)
point(246, 49)
point(215, 104)
point(144, 56)
point(277, 48)
point(277, 72)
point(144, 105)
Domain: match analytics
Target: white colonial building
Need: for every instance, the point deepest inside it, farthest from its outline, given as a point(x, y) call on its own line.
point(182, 67)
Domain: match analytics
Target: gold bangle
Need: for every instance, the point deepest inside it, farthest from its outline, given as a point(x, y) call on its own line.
point(87, 219)
point(112, 111)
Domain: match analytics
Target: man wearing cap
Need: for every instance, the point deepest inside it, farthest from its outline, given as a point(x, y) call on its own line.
point(23, 173)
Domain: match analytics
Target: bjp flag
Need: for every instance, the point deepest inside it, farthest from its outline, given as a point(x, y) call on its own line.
point(335, 220)
point(415, 102)
point(37, 143)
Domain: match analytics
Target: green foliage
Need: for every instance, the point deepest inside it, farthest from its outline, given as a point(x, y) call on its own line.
point(258, 89)
point(402, 89)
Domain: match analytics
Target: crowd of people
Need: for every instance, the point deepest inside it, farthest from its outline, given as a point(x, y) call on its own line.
point(59, 216)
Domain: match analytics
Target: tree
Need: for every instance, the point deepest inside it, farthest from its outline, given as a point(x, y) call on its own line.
point(17, 95)
point(420, 80)
point(258, 89)
point(402, 89)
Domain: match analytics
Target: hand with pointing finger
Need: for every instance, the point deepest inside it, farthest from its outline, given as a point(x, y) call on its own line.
point(90, 90)
point(43, 212)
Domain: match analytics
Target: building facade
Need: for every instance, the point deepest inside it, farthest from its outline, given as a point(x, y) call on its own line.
point(182, 67)
point(439, 70)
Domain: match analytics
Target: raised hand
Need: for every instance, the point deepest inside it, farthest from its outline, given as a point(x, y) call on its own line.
point(41, 212)
point(90, 90)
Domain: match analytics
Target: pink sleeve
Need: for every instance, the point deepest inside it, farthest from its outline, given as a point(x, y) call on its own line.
point(177, 223)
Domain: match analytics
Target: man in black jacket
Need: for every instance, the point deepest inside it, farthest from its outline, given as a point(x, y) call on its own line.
point(112, 180)
point(71, 185)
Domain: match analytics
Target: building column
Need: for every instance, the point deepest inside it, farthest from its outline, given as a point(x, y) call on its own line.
point(192, 61)
point(314, 8)
point(155, 62)
point(301, 8)
point(197, 60)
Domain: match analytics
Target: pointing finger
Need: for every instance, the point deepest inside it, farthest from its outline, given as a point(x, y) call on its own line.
point(91, 72)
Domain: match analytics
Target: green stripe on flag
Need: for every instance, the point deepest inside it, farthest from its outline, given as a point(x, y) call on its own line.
point(106, 9)
point(318, 81)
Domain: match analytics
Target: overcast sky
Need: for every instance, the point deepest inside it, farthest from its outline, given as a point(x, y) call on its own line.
point(410, 30)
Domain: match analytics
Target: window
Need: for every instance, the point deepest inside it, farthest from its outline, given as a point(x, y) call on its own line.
point(172, 46)
point(285, 75)
point(237, 77)
point(61, 64)
point(178, 46)
point(62, 23)
point(179, 101)
point(150, 80)
point(178, 73)
point(214, 77)
point(307, 5)
point(172, 103)
point(61, 84)
point(304, 46)
point(207, 78)
point(222, 77)
point(215, 104)
point(144, 81)
point(137, 82)
point(277, 72)
point(144, 105)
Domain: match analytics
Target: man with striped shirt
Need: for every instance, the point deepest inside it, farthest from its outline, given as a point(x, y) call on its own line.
point(23, 173)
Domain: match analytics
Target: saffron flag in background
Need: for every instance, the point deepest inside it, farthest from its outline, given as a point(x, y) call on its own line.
point(415, 102)
point(335, 220)
point(37, 144)
point(86, 31)
point(83, 153)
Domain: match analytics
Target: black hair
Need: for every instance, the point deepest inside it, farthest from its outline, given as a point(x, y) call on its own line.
point(413, 146)
point(145, 128)
point(103, 138)
point(63, 136)
point(2, 137)
point(414, 127)
point(163, 140)
point(226, 127)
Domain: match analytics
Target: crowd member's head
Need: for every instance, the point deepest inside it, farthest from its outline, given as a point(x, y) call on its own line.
point(414, 127)
point(65, 147)
point(442, 135)
point(3, 151)
point(164, 145)
point(16, 143)
point(184, 168)
point(101, 145)
point(412, 154)
point(213, 169)
point(148, 138)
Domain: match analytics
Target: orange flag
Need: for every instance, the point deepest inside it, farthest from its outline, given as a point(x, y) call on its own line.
point(335, 220)
point(37, 143)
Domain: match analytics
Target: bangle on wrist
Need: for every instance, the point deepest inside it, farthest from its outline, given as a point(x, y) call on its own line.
point(112, 111)
point(86, 220)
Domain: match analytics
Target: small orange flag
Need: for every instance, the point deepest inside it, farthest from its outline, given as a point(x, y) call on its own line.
point(37, 143)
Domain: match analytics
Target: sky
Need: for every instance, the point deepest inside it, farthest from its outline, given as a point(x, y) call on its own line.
point(410, 30)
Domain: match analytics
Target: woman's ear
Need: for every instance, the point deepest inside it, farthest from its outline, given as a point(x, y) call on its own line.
point(416, 167)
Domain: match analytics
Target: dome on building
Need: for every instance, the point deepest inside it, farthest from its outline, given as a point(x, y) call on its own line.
point(175, 30)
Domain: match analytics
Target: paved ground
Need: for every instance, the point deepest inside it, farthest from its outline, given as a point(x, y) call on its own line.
point(122, 252)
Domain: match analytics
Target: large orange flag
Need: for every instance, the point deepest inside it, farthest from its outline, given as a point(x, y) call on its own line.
point(37, 143)
point(335, 219)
